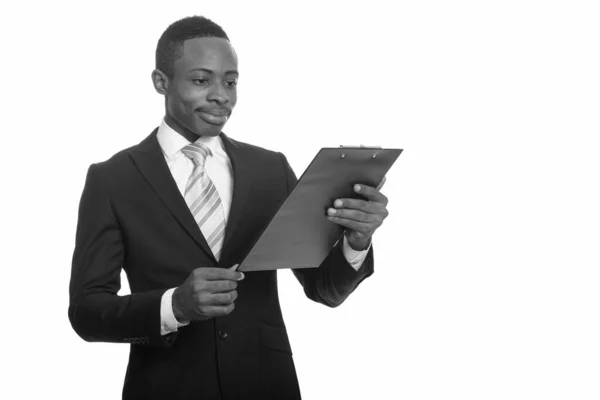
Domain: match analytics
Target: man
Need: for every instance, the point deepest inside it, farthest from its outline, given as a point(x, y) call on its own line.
point(177, 212)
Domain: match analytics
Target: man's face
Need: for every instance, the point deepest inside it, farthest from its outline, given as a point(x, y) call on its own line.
point(202, 92)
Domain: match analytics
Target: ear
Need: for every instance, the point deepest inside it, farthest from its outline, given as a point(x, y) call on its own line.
point(161, 81)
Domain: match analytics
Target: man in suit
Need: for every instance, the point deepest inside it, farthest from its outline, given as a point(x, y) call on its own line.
point(177, 212)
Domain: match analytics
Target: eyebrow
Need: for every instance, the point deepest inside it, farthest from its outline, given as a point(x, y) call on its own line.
point(211, 71)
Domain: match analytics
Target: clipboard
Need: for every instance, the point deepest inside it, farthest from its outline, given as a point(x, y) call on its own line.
point(299, 235)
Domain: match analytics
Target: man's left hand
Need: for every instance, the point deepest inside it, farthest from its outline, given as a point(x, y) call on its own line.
point(361, 217)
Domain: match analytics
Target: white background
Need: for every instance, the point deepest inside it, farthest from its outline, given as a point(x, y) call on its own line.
point(487, 269)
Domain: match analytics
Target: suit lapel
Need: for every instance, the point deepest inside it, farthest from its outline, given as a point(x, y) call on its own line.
point(151, 162)
point(242, 182)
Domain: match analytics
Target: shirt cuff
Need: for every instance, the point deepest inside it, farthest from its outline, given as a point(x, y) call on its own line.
point(168, 322)
point(355, 258)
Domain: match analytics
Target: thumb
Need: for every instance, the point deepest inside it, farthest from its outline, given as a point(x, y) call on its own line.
point(234, 267)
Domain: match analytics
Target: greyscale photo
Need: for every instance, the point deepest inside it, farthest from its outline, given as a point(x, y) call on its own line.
point(181, 217)
point(178, 212)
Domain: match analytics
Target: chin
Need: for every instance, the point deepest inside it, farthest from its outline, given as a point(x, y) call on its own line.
point(205, 129)
point(213, 131)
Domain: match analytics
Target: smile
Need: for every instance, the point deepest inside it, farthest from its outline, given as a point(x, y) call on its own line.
point(214, 117)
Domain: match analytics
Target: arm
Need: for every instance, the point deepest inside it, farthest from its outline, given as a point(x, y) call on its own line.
point(96, 312)
point(335, 279)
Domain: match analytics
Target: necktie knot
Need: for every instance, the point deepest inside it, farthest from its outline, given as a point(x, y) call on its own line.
point(197, 152)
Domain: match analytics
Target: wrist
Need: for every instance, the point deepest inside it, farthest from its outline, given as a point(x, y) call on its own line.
point(177, 308)
point(358, 244)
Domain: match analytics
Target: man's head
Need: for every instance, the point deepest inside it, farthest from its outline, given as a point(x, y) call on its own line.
point(196, 71)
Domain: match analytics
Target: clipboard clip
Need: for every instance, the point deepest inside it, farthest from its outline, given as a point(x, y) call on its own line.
point(361, 147)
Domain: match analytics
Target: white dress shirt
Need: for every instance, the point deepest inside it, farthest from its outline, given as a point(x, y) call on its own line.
point(218, 167)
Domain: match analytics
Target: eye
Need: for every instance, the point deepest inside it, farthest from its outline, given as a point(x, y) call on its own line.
point(200, 81)
point(230, 84)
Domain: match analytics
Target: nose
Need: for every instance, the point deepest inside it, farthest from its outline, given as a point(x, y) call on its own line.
point(217, 94)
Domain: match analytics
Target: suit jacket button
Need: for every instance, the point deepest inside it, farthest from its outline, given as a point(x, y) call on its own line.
point(223, 334)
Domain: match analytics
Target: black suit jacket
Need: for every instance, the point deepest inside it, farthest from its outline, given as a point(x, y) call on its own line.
point(133, 217)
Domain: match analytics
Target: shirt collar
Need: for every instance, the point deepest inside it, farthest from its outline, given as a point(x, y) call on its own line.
point(172, 142)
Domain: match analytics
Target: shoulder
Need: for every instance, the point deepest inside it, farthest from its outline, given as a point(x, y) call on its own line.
point(250, 148)
point(113, 166)
point(122, 160)
point(258, 156)
point(269, 164)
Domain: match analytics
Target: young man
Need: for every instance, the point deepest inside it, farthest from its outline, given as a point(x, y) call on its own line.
point(177, 212)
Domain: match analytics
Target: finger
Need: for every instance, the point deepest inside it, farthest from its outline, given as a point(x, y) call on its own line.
point(356, 215)
point(371, 193)
point(217, 311)
point(222, 299)
point(215, 274)
point(220, 286)
point(357, 204)
point(381, 183)
point(361, 227)
point(234, 267)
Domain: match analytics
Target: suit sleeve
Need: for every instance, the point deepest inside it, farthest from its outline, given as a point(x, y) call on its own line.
point(335, 279)
point(97, 313)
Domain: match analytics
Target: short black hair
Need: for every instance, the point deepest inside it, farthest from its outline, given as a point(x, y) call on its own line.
point(170, 44)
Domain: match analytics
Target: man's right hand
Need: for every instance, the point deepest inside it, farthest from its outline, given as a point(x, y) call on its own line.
point(206, 293)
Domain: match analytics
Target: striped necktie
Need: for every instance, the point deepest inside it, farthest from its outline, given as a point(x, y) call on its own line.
point(203, 199)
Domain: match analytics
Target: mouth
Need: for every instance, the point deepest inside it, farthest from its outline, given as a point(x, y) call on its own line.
point(218, 116)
